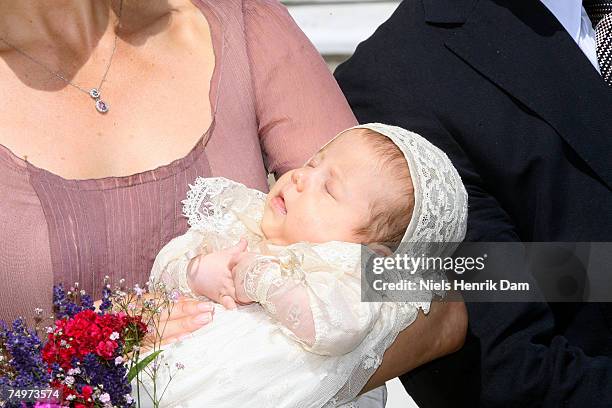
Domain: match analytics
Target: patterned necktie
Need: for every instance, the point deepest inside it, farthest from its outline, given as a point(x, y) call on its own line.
point(600, 13)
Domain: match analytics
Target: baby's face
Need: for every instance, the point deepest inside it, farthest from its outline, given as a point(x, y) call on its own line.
point(328, 198)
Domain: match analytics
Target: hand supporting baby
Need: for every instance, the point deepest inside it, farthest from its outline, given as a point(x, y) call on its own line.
point(212, 275)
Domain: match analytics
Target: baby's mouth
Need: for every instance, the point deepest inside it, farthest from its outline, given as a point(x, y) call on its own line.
point(278, 203)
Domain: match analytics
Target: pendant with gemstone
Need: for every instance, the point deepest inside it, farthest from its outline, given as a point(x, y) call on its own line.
point(101, 106)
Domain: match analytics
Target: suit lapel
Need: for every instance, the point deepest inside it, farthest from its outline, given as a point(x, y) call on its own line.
point(548, 72)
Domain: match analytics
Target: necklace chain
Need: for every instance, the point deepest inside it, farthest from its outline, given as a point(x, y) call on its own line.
point(101, 106)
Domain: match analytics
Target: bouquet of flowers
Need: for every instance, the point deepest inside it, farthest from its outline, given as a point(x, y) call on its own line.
point(90, 356)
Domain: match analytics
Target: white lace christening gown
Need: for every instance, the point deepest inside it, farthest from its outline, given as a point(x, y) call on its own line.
point(254, 356)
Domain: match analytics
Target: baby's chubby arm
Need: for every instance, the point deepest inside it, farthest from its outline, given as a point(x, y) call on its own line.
point(320, 309)
point(286, 300)
point(210, 274)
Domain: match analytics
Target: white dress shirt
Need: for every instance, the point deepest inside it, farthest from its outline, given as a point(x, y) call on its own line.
point(577, 23)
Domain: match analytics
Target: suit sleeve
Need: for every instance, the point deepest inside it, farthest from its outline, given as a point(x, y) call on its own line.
point(522, 362)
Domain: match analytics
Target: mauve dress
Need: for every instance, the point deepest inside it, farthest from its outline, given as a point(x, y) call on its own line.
point(274, 103)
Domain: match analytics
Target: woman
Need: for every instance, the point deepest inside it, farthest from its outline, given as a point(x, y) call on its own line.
point(189, 89)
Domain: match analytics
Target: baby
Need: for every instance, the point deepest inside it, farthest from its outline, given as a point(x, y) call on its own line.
point(301, 335)
point(336, 196)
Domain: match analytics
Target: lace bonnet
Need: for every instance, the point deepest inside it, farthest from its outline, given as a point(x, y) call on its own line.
point(440, 199)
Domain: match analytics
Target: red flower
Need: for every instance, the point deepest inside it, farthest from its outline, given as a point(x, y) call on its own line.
point(137, 320)
point(65, 356)
point(49, 352)
point(106, 349)
point(113, 322)
point(80, 323)
point(87, 391)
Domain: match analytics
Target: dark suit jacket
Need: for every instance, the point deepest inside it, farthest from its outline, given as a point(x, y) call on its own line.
point(505, 91)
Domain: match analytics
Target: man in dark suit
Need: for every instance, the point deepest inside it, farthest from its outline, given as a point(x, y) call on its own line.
point(518, 104)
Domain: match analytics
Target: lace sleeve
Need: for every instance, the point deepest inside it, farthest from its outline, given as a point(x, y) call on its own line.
point(171, 264)
point(225, 210)
point(317, 303)
point(213, 203)
point(220, 211)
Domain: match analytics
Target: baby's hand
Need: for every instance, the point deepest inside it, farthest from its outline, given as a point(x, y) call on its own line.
point(245, 259)
point(210, 275)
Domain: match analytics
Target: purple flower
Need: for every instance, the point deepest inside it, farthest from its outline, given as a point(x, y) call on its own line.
point(22, 366)
point(106, 300)
point(112, 377)
point(26, 367)
point(86, 302)
point(63, 306)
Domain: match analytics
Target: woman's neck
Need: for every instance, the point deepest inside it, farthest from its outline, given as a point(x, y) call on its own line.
point(75, 25)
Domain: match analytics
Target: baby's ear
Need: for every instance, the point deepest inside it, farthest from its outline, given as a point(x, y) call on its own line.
point(380, 249)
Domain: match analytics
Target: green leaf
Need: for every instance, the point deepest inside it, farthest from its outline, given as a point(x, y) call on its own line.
point(139, 366)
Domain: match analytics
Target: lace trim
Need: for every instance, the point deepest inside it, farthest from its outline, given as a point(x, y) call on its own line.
point(440, 212)
point(259, 277)
point(183, 282)
point(225, 208)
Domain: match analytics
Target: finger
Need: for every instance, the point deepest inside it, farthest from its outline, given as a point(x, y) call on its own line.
point(231, 289)
point(166, 341)
point(190, 308)
point(228, 302)
point(186, 325)
point(239, 247)
point(239, 257)
point(158, 297)
point(169, 340)
point(233, 261)
point(175, 339)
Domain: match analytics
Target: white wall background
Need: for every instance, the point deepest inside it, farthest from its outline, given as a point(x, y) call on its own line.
point(335, 27)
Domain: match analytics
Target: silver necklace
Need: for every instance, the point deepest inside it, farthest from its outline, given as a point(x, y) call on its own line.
point(94, 93)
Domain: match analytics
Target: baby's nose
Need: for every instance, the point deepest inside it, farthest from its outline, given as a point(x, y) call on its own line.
point(298, 177)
